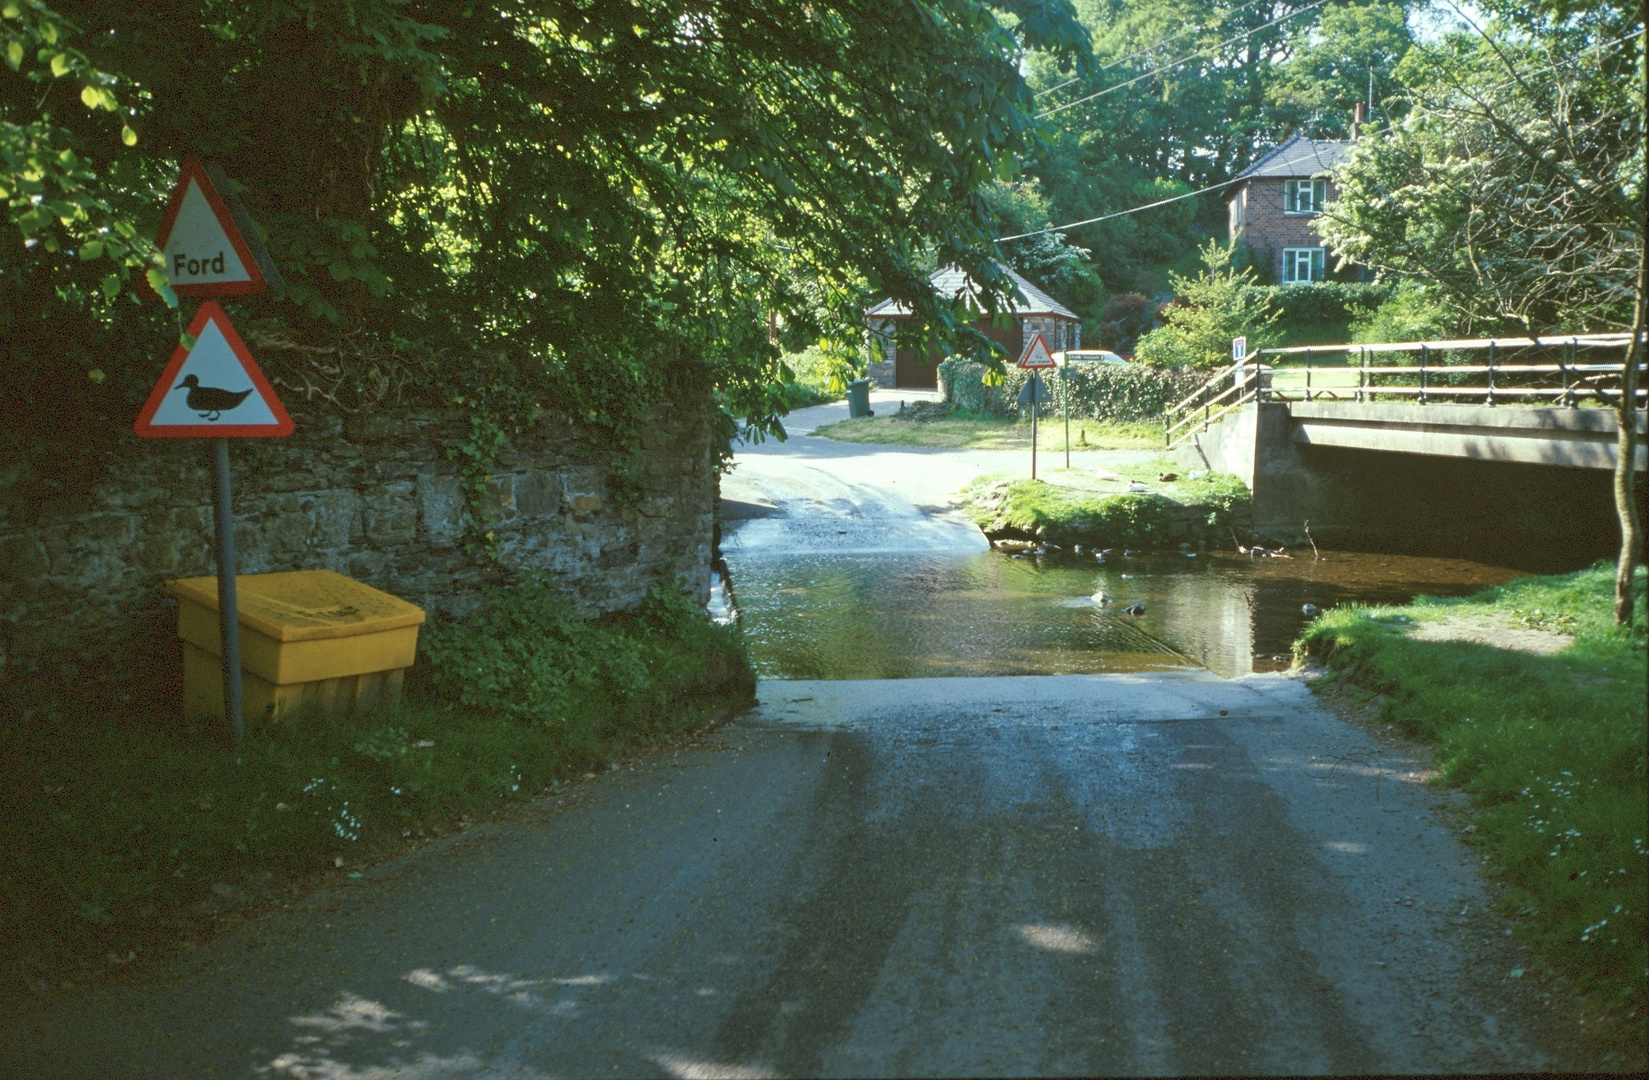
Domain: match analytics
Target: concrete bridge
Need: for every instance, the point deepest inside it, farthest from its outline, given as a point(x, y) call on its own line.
point(1522, 485)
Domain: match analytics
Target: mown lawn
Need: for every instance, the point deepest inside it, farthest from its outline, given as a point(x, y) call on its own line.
point(1551, 749)
point(124, 831)
point(938, 427)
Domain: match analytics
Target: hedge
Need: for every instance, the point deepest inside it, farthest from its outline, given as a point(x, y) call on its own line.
point(1098, 391)
point(1325, 301)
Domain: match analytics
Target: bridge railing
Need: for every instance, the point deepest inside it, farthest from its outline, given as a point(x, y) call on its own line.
point(1567, 371)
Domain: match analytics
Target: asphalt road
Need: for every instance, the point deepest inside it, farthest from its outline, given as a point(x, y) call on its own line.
point(1013, 876)
point(1062, 875)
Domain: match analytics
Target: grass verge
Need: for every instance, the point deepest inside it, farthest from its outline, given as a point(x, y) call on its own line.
point(123, 832)
point(938, 426)
point(1076, 506)
point(1551, 749)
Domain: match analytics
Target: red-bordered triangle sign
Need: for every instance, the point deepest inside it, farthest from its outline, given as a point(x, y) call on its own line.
point(207, 253)
point(1036, 356)
point(213, 389)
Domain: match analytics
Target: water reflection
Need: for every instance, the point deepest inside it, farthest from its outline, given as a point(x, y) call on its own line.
point(870, 616)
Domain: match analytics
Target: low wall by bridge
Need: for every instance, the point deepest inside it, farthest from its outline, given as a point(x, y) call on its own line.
point(1525, 487)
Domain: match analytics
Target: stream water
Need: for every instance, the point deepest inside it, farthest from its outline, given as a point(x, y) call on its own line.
point(886, 616)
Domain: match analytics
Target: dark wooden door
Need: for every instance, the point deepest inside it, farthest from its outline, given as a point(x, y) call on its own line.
point(912, 374)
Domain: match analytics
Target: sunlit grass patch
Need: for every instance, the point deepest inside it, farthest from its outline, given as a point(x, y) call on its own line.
point(971, 431)
point(1550, 747)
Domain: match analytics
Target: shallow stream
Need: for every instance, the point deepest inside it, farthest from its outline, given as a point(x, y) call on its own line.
point(886, 616)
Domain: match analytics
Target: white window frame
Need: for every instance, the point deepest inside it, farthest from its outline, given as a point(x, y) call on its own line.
point(1304, 196)
point(1315, 259)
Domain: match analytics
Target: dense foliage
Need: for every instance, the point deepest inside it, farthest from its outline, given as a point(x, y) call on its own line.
point(1513, 186)
point(503, 201)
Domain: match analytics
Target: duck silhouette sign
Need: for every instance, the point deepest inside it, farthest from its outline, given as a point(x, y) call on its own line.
point(212, 388)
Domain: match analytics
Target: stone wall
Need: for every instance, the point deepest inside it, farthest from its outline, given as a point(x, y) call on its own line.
point(90, 529)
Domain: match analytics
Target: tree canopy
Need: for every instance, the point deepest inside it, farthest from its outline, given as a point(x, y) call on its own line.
point(534, 203)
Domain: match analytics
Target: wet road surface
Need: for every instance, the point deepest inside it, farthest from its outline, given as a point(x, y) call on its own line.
point(1011, 876)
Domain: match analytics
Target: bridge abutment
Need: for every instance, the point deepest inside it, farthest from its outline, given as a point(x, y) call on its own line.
point(1531, 488)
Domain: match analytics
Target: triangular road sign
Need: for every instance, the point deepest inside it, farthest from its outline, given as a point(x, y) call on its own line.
point(213, 390)
point(1036, 356)
point(208, 240)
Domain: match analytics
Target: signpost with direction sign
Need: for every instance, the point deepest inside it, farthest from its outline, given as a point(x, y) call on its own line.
point(1035, 359)
point(212, 388)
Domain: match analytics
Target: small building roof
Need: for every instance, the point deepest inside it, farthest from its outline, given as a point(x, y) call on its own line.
point(1299, 157)
point(952, 281)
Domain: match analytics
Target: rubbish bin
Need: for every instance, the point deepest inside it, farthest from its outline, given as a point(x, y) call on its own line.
point(858, 399)
point(310, 640)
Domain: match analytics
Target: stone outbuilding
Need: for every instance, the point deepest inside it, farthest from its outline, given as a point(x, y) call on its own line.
point(1274, 201)
point(1040, 313)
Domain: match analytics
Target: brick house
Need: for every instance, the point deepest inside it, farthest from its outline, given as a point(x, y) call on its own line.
point(1040, 313)
point(1273, 202)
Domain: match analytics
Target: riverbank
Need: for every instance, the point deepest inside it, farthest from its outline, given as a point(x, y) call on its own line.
point(128, 832)
point(1140, 504)
point(1534, 705)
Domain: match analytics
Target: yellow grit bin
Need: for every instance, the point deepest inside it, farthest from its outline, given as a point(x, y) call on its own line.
point(311, 640)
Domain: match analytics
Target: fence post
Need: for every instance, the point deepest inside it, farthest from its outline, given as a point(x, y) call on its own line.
point(1566, 361)
point(1491, 374)
point(1308, 374)
point(1362, 372)
point(1425, 351)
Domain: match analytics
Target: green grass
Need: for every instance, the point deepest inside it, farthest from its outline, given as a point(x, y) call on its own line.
point(1551, 750)
point(114, 827)
point(958, 430)
point(1075, 506)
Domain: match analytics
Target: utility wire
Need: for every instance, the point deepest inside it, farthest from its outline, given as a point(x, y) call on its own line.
point(1119, 213)
point(1180, 62)
point(1154, 46)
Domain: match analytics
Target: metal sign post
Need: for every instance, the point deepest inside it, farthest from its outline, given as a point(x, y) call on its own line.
point(1065, 389)
point(1036, 394)
point(212, 388)
point(228, 607)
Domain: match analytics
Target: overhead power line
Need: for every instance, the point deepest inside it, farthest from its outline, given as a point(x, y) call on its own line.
point(1119, 213)
point(1182, 61)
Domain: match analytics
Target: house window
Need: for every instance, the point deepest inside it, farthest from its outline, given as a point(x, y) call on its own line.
point(1302, 264)
point(1304, 196)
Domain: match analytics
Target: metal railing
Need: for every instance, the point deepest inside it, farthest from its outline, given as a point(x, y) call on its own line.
point(1564, 371)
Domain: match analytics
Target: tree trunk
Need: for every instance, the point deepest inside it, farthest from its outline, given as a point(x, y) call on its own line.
point(1626, 504)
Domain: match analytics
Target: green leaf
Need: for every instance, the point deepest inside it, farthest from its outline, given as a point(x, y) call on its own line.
point(111, 286)
point(89, 97)
point(127, 135)
point(60, 64)
point(14, 54)
point(157, 281)
point(91, 249)
point(186, 339)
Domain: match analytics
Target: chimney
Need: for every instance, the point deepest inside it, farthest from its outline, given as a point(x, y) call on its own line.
point(1357, 120)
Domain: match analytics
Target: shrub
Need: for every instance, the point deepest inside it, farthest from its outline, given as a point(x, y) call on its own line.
point(1325, 301)
point(1220, 303)
point(1123, 320)
point(1409, 313)
point(1098, 391)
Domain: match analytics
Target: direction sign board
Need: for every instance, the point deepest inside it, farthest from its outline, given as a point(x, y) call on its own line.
point(208, 239)
point(1239, 348)
point(1036, 356)
point(213, 389)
